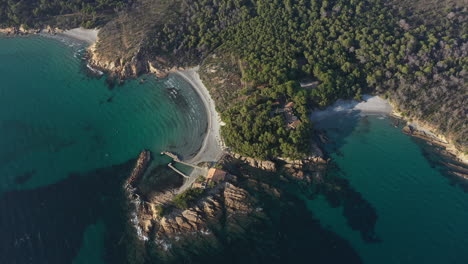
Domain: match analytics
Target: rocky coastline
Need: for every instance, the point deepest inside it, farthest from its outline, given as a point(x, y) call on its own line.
point(157, 219)
point(229, 204)
point(131, 67)
point(271, 166)
point(22, 31)
point(424, 130)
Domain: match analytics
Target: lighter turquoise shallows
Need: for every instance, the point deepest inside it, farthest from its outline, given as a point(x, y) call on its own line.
point(55, 120)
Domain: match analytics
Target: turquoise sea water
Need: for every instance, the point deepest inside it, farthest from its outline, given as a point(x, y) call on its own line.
point(66, 140)
point(56, 121)
point(422, 215)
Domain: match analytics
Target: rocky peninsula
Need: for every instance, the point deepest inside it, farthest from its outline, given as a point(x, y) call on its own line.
point(231, 204)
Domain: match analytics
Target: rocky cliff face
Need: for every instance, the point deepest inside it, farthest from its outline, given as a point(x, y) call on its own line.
point(118, 66)
point(128, 62)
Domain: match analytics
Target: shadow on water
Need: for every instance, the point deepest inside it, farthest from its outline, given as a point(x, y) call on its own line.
point(44, 138)
point(338, 127)
point(24, 177)
point(283, 232)
point(159, 179)
point(289, 234)
point(46, 225)
point(359, 213)
point(446, 165)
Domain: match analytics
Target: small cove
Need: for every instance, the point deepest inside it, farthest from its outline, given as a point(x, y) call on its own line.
point(55, 119)
point(420, 214)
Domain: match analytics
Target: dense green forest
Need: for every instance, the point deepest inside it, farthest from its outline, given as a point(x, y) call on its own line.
point(37, 13)
point(347, 47)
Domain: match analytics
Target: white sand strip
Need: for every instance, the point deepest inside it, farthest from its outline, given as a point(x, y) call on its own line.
point(369, 105)
point(212, 146)
point(87, 35)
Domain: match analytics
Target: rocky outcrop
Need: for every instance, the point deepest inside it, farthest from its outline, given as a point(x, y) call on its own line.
point(26, 31)
point(141, 165)
point(117, 66)
point(125, 48)
point(162, 70)
point(306, 168)
point(295, 167)
point(236, 200)
point(190, 220)
point(129, 65)
point(225, 200)
point(429, 133)
point(231, 200)
point(305, 161)
point(261, 164)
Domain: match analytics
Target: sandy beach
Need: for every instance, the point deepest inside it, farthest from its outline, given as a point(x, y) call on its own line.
point(212, 146)
point(369, 105)
point(87, 35)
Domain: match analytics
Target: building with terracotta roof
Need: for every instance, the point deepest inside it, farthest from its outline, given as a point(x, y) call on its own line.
point(294, 124)
point(216, 175)
point(290, 105)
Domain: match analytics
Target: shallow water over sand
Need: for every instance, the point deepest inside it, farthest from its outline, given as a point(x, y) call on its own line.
point(55, 120)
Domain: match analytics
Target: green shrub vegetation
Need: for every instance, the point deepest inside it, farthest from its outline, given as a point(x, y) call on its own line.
point(161, 210)
point(36, 13)
point(186, 199)
point(201, 178)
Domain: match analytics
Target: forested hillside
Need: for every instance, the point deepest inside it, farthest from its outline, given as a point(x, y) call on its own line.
point(347, 47)
point(37, 13)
